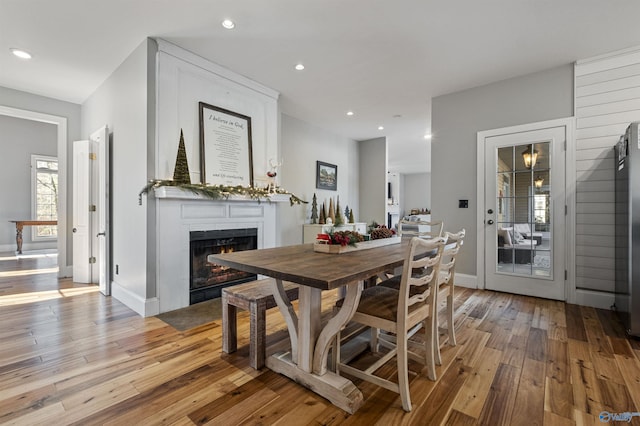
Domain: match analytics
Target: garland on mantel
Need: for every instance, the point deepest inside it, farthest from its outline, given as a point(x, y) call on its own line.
point(216, 192)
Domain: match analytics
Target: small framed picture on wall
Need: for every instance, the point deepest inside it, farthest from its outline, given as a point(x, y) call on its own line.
point(326, 176)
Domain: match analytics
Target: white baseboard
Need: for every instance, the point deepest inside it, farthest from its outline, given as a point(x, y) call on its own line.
point(65, 272)
point(143, 307)
point(468, 281)
point(594, 299)
point(29, 246)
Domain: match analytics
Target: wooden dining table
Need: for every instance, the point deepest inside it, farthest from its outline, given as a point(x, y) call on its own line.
point(306, 363)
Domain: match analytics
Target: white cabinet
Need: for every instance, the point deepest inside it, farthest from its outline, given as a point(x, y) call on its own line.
point(310, 231)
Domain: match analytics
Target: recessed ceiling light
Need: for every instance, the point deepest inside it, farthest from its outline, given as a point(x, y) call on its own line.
point(349, 112)
point(380, 128)
point(427, 136)
point(299, 67)
point(228, 24)
point(20, 53)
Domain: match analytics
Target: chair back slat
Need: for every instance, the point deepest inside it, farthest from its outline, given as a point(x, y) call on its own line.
point(450, 254)
point(420, 273)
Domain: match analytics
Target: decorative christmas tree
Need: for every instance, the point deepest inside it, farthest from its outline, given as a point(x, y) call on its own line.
point(339, 220)
point(324, 212)
point(323, 216)
point(314, 210)
point(351, 219)
point(332, 212)
point(181, 171)
point(346, 213)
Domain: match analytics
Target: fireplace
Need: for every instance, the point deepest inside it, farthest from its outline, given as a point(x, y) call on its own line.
point(208, 279)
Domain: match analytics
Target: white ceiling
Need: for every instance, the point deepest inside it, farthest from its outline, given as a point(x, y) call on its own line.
point(380, 58)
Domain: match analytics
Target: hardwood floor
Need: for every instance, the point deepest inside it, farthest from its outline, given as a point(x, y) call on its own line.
point(71, 356)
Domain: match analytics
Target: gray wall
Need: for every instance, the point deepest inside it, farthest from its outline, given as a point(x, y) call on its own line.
point(301, 145)
point(19, 139)
point(456, 119)
point(30, 102)
point(373, 180)
point(122, 104)
point(417, 192)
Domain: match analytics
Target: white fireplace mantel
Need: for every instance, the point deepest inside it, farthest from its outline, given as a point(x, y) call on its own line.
point(180, 212)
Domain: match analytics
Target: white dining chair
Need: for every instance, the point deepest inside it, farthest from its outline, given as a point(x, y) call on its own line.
point(398, 311)
point(446, 286)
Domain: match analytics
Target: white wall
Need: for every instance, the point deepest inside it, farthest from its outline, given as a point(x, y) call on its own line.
point(372, 157)
point(19, 139)
point(456, 119)
point(416, 192)
point(122, 103)
point(303, 144)
point(40, 104)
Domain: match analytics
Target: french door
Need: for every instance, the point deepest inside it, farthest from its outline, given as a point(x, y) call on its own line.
point(524, 211)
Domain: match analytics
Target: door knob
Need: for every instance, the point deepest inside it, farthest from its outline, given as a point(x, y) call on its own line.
point(490, 222)
point(490, 211)
point(74, 230)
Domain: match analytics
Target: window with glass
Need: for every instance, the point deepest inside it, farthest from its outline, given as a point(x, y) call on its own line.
point(524, 210)
point(44, 171)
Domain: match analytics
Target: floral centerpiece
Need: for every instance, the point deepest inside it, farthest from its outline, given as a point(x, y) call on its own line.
point(342, 238)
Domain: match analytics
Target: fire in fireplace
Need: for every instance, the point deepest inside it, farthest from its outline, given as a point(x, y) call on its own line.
point(208, 279)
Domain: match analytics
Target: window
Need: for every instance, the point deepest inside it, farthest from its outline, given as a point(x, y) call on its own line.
point(44, 177)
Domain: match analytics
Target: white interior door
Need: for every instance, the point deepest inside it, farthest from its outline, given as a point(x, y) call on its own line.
point(101, 138)
point(81, 214)
point(524, 214)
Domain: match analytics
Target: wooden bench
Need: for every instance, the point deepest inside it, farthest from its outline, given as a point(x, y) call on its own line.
point(255, 297)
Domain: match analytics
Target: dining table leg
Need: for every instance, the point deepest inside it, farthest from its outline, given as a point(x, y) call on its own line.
point(313, 341)
point(309, 310)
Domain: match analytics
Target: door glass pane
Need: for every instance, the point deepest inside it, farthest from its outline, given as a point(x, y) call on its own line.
point(505, 159)
point(524, 210)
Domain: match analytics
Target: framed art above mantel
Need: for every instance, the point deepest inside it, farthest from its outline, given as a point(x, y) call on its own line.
point(225, 147)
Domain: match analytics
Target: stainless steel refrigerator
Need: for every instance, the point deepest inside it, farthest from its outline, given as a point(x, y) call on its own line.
point(627, 229)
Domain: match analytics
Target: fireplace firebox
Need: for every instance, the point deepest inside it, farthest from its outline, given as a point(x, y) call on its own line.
point(208, 279)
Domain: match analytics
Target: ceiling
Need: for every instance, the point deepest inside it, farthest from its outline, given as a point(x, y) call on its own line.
point(384, 60)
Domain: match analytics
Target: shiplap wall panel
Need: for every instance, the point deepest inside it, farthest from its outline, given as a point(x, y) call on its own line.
point(597, 262)
point(589, 251)
point(595, 164)
point(607, 99)
point(595, 153)
point(593, 186)
point(604, 131)
point(595, 219)
point(595, 174)
point(596, 143)
point(599, 284)
point(602, 120)
point(595, 241)
point(611, 74)
point(593, 208)
point(608, 86)
point(609, 108)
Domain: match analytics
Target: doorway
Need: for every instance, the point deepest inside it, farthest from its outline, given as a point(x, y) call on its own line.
point(522, 210)
point(61, 125)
